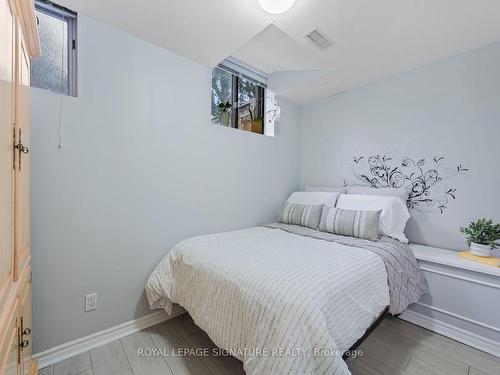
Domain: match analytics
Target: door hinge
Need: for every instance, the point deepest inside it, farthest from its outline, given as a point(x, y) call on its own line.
point(73, 44)
point(23, 344)
point(22, 149)
point(14, 145)
point(19, 348)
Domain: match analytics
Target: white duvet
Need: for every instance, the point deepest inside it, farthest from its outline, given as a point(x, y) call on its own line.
point(280, 302)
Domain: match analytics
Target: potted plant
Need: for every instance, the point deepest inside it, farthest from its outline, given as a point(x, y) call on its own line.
point(225, 113)
point(482, 236)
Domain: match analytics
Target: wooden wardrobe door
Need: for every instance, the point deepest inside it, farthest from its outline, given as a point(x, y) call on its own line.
point(15, 271)
point(25, 324)
point(7, 54)
point(9, 344)
point(22, 157)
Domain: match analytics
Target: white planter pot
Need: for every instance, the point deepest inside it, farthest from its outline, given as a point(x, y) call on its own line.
point(480, 250)
point(225, 118)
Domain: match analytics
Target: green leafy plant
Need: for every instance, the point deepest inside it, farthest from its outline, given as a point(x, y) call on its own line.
point(225, 107)
point(482, 232)
point(224, 113)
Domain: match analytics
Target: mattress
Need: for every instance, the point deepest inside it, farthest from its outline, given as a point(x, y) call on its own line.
point(282, 303)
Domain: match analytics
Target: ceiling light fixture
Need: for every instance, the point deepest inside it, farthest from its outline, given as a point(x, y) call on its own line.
point(276, 6)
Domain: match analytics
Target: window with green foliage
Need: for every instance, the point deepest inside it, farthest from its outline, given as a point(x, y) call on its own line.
point(237, 100)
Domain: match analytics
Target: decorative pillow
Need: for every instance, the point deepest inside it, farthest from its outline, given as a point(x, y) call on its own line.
point(313, 198)
point(298, 214)
point(368, 190)
point(352, 223)
point(331, 189)
point(394, 212)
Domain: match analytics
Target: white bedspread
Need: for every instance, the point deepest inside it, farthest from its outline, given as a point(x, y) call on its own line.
point(281, 302)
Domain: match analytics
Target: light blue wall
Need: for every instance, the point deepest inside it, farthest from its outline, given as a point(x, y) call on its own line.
point(141, 169)
point(450, 108)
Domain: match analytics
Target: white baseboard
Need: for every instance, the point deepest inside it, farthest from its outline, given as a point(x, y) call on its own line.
point(81, 345)
point(455, 333)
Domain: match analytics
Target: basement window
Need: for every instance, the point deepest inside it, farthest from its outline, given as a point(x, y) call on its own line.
point(55, 69)
point(238, 96)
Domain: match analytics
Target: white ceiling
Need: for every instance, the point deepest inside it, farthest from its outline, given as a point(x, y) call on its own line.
point(273, 50)
point(373, 38)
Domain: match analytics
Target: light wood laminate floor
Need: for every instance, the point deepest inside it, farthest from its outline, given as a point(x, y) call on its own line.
point(394, 348)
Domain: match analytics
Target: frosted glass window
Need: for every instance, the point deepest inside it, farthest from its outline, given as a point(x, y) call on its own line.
point(54, 69)
point(222, 97)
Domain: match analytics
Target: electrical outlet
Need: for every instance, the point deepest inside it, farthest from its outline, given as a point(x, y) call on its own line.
point(91, 302)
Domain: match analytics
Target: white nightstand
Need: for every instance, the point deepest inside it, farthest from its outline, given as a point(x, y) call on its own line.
point(463, 301)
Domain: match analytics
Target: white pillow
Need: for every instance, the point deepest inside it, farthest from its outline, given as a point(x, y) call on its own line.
point(394, 212)
point(331, 189)
point(310, 198)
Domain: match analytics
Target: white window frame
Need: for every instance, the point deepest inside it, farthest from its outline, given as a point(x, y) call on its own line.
point(54, 10)
point(244, 71)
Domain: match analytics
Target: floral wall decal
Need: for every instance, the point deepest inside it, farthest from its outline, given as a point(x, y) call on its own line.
point(427, 181)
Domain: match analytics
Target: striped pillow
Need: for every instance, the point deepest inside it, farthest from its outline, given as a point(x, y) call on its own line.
point(352, 223)
point(298, 214)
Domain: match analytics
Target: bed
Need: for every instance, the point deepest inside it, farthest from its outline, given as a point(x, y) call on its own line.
point(286, 299)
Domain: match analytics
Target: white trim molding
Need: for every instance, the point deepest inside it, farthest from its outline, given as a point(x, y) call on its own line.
point(458, 277)
point(463, 299)
point(451, 259)
point(460, 317)
point(453, 332)
point(83, 344)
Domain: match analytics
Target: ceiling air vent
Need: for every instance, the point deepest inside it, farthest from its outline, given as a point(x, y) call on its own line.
point(319, 39)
